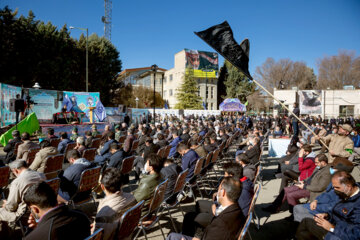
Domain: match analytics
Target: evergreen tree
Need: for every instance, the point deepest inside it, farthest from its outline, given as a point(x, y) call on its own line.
point(187, 94)
point(237, 84)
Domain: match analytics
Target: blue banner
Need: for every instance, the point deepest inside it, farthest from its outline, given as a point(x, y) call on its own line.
point(7, 92)
point(46, 103)
point(81, 101)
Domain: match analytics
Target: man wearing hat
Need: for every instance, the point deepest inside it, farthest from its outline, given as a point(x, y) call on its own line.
point(339, 144)
point(74, 134)
point(117, 132)
point(94, 130)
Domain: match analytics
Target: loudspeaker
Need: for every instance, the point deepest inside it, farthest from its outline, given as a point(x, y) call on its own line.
point(60, 96)
point(17, 105)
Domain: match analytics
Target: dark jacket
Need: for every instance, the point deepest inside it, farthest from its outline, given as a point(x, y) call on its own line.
point(246, 195)
point(173, 145)
point(116, 159)
point(318, 182)
point(185, 137)
point(162, 143)
point(346, 217)
point(10, 149)
point(105, 149)
point(325, 201)
point(61, 223)
point(71, 178)
point(188, 161)
point(253, 154)
point(210, 147)
point(224, 138)
point(152, 148)
point(249, 171)
point(62, 145)
point(128, 143)
point(141, 145)
point(88, 141)
point(171, 173)
point(226, 225)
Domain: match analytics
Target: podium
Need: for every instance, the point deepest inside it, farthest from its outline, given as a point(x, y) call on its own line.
point(91, 114)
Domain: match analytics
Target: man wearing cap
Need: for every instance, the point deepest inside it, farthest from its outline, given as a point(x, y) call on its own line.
point(14, 206)
point(339, 144)
point(117, 132)
point(94, 131)
point(74, 134)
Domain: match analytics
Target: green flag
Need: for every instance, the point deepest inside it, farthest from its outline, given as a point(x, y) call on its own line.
point(247, 102)
point(29, 124)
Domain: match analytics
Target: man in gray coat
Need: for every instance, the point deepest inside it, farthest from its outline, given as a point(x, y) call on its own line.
point(14, 206)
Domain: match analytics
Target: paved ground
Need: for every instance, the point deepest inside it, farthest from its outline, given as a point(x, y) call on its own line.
point(272, 227)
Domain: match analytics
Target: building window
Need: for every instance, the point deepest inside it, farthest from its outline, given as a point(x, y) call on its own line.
point(212, 93)
point(164, 79)
point(207, 92)
point(346, 110)
point(165, 93)
point(171, 77)
point(170, 92)
point(211, 106)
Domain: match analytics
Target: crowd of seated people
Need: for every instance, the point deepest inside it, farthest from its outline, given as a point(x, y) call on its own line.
point(222, 217)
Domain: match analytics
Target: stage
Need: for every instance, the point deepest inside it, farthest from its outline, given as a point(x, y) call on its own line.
point(68, 128)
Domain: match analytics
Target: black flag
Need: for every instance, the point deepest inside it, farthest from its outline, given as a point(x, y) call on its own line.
point(220, 37)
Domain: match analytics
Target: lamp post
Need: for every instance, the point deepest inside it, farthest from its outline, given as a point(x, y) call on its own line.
point(137, 102)
point(154, 68)
point(87, 54)
point(206, 70)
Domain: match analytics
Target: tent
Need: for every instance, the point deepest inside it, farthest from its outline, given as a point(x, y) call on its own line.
point(232, 105)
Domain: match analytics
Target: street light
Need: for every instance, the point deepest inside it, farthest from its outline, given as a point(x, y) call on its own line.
point(154, 68)
point(137, 101)
point(36, 85)
point(87, 54)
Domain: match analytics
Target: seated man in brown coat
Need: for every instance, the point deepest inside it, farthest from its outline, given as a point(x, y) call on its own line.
point(114, 204)
point(40, 158)
point(23, 149)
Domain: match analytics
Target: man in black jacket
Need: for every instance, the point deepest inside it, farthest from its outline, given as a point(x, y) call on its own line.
point(117, 156)
point(227, 216)
point(10, 147)
point(54, 222)
point(253, 152)
point(171, 172)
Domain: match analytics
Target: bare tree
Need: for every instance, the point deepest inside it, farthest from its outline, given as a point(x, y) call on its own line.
point(285, 74)
point(340, 70)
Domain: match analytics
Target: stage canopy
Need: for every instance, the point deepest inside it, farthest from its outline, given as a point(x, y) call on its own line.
point(232, 105)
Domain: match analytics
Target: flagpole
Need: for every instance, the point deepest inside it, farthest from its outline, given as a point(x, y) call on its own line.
point(249, 76)
point(284, 106)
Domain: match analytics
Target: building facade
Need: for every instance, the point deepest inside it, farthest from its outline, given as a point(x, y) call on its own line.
point(206, 76)
point(143, 77)
point(330, 103)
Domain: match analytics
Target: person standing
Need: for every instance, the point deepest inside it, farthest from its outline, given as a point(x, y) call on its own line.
point(295, 123)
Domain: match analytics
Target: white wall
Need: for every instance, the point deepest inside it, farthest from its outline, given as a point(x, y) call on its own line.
point(331, 100)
